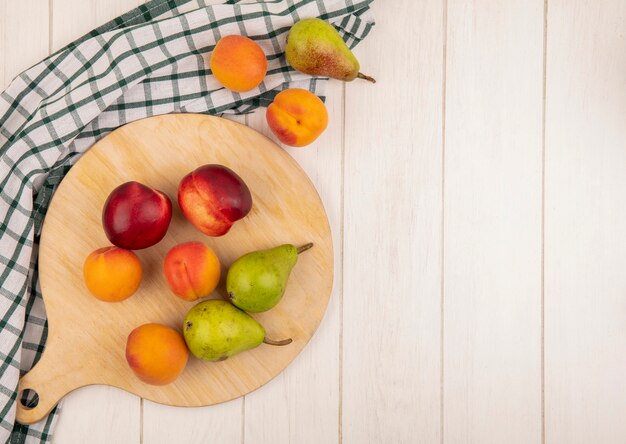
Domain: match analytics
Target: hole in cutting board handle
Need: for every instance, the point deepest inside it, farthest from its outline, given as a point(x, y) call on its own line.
point(29, 399)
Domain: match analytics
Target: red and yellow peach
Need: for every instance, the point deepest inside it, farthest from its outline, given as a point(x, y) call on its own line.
point(136, 216)
point(212, 198)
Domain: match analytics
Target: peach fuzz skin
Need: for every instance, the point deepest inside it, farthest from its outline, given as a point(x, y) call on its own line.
point(157, 354)
point(213, 198)
point(192, 270)
point(136, 216)
point(112, 274)
point(238, 63)
point(297, 117)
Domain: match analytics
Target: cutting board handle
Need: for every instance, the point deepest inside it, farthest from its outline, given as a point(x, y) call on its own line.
point(49, 386)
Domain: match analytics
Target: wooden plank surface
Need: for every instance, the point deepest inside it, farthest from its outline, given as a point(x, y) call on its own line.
point(389, 368)
point(24, 36)
point(392, 231)
point(220, 424)
point(98, 414)
point(585, 229)
point(492, 230)
point(71, 19)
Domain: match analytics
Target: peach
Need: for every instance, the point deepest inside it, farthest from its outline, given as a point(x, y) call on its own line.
point(213, 198)
point(238, 63)
point(297, 117)
point(112, 274)
point(157, 354)
point(136, 216)
point(192, 270)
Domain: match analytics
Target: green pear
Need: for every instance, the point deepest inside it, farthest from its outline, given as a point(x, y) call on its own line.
point(256, 281)
point(214, 330)
point(315, 47)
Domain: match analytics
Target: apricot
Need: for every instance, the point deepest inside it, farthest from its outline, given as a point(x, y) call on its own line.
point(238, 63)
point(112, 274)
point(192, 270)
point(297, 117)
point(157, 354)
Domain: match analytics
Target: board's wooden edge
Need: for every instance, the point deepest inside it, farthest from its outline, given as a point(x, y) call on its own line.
point(49, 390)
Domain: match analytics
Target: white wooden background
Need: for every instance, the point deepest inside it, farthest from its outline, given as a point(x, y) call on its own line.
point(477, 196)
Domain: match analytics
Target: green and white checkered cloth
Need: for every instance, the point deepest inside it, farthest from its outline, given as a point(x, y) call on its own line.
point(147, 62)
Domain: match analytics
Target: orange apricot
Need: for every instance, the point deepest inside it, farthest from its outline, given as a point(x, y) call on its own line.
point(157, 354)
point(297, 117)
point(192, 270)
point(112, 274)
point(238, 63)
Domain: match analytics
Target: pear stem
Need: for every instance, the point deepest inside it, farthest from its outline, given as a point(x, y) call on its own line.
point(304, 247)
point(364, 77)
point(278, 343)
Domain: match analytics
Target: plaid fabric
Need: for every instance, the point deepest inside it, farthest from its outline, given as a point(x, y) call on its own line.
point(147, 62)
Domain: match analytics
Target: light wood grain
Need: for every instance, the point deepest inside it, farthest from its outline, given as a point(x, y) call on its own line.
point(219, 424)
point(72, 19)
point(99, 415)
point(392, 255)
point(84, 349)
point(305, 397)
point(492, 231)
point(391, 361)
point(24, 36)
point(585, 250)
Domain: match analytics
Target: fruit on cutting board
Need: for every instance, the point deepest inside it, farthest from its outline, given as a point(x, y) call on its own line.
point(112, 274)
point(315, 47)
point(136, 216)
point(213, 198)
point(157, 354)
point(256, 281)
point(192, 270)
point(238, 63)
point(297, 117)
point(216, 330)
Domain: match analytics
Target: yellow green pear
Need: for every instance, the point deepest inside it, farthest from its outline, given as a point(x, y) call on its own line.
point(315, 47)
point(256, 281)
point(214, 330)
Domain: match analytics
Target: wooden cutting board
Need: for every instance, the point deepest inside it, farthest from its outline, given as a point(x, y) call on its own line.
point(87, 337)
